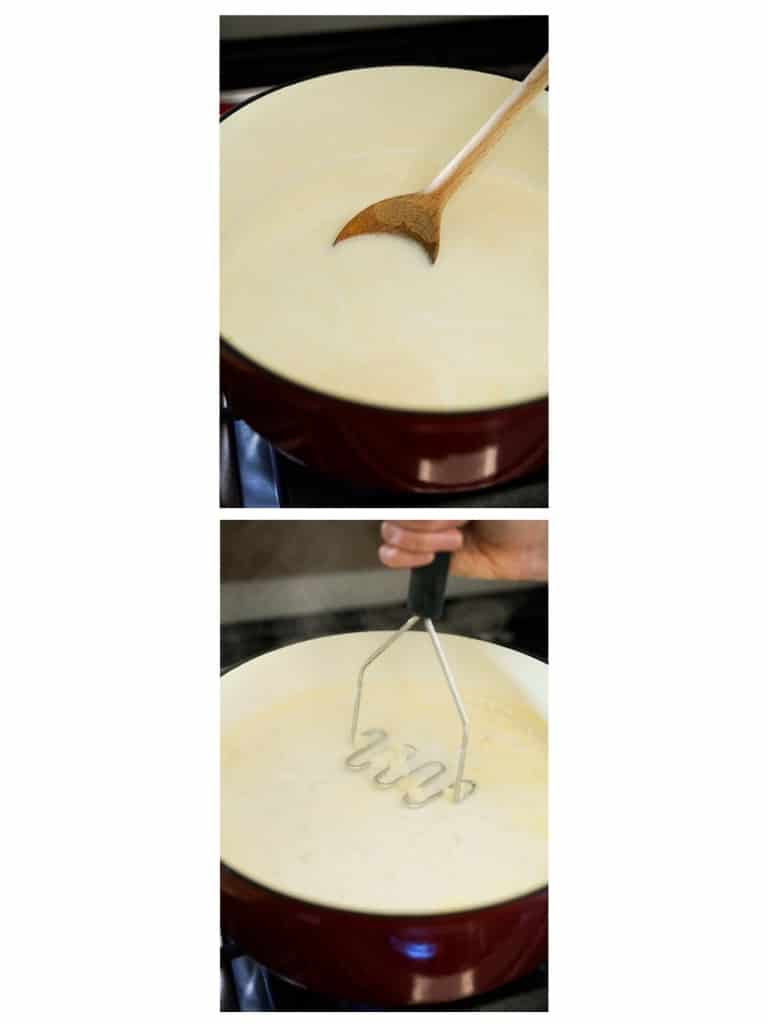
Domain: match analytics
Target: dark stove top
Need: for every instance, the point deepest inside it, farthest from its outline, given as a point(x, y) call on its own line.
point(300, 487)
point(255, 475)
point(246, 985)
point(508, 44)
point(515, 618)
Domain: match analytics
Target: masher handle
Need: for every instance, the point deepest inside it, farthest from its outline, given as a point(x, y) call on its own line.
point(426, 591)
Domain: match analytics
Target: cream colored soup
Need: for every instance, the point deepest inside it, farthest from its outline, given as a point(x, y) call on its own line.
point(296, 819)
point(371, 319)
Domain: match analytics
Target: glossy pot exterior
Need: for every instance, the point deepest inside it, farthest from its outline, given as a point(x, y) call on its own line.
point(390, 449)
point(381, 959)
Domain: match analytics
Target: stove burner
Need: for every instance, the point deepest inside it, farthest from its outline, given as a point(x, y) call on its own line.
point(256, 475)
point(246, 985)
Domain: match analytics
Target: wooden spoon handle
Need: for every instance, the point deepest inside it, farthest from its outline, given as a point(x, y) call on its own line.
point(449, 179)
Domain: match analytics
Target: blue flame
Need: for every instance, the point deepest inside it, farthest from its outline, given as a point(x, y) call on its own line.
point(415, 950)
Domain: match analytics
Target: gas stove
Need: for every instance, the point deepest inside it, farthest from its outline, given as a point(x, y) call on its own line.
point(255, 474)
point(246, 985)
point(255, 60)
point(515, 618)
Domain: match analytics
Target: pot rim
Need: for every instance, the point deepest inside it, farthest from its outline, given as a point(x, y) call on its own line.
point(351, 402)
point(391, 410)
point(413, 916)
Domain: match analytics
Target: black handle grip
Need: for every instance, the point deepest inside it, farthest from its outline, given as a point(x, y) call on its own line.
point(426, 592)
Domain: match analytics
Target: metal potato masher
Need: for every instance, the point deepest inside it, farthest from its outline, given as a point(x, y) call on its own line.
point(426, 597)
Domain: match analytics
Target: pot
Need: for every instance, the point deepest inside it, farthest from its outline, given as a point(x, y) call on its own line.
point(378, 445)
point(388, 959)
point(397, 450)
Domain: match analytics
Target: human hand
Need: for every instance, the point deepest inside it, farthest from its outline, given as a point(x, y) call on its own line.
point(488, 549)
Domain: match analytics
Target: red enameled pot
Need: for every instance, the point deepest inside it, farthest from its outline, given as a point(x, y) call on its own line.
point(391, 449)
point(382, 959)
point(387, 448)
point(387, 959)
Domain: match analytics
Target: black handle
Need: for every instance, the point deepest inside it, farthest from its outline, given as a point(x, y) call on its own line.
point(426, 593)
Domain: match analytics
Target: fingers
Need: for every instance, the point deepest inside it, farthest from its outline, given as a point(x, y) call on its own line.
point(409, 544)
point(424, 525)
point(424, 539)
point(394, 558)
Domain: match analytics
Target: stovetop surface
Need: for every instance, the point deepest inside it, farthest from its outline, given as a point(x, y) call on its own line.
point(256, 475)
point(507, 44)
point(247, 986)
point(515, 618)
point(301, 487)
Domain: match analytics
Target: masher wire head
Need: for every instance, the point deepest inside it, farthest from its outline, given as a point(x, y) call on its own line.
point(447, 673)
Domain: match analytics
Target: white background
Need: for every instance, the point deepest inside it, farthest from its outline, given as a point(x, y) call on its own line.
point(658, 525)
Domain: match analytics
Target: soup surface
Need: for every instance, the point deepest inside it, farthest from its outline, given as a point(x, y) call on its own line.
point(372, 319)
point(297, 819)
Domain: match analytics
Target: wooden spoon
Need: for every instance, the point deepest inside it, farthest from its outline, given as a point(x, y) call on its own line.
point(418, 214)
